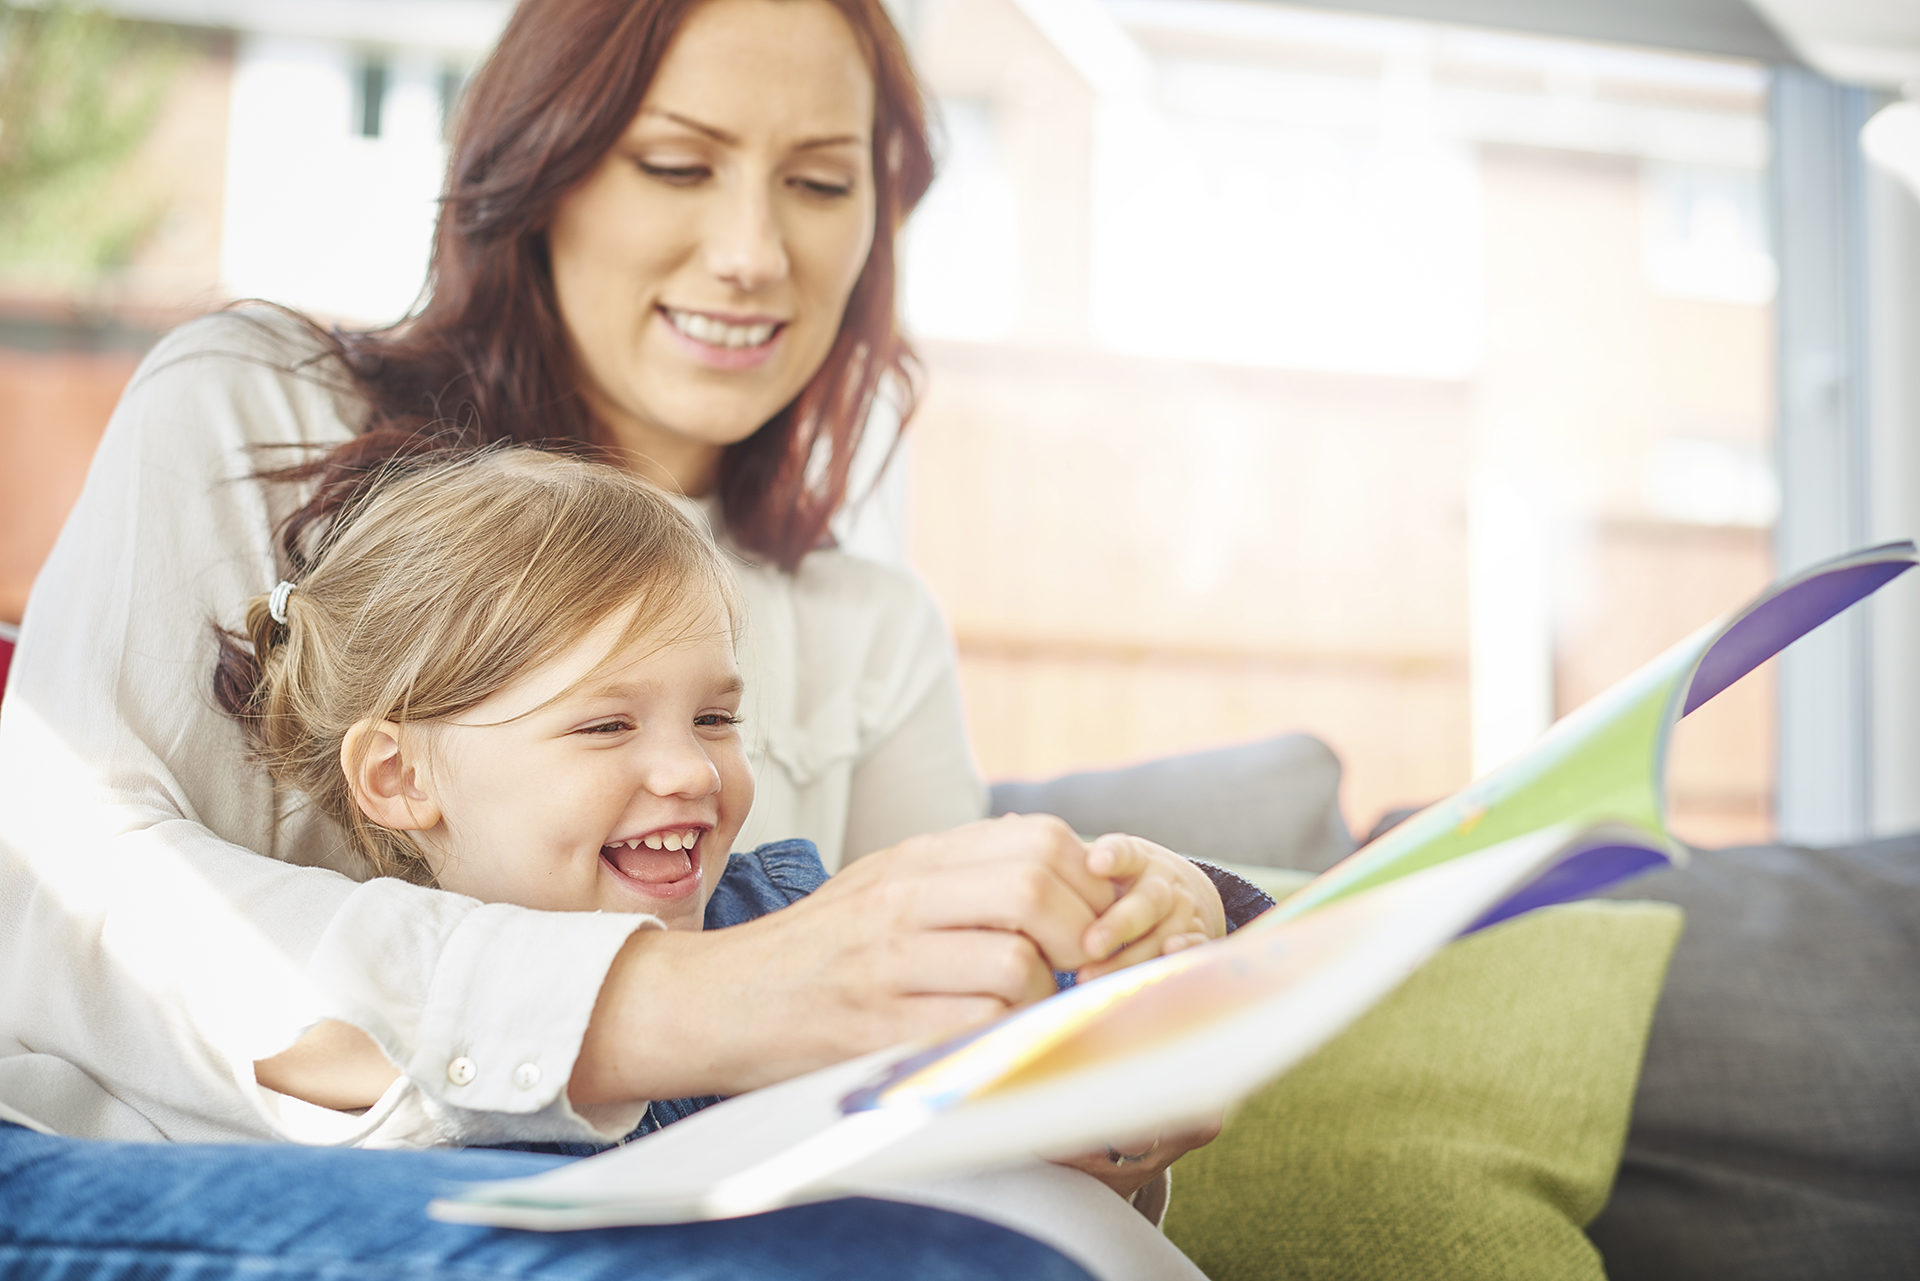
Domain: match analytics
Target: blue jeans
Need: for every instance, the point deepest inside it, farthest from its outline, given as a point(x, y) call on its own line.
point(74, 1209)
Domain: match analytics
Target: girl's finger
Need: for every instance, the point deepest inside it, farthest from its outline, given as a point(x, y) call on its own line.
point(1117, 857)
point(1143, 949)
point(1139, 912)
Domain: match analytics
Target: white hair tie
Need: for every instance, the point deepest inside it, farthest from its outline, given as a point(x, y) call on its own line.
point(277, 602)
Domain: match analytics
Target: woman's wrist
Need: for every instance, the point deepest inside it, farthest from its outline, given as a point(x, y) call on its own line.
point(654, 1032)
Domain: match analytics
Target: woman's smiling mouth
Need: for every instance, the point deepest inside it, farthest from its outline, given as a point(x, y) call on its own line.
point(723, 342)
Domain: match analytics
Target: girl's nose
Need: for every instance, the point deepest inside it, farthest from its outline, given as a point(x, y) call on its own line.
point(679, 768)
point(746, 247)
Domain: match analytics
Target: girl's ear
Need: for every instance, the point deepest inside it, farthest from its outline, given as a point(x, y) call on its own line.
point(388, 784)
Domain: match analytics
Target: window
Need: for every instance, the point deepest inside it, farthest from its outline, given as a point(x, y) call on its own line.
point(370, 95)
point(1293, 370)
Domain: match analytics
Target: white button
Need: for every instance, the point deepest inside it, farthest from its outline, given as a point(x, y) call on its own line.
point(461, 1071)
point(527, 1075)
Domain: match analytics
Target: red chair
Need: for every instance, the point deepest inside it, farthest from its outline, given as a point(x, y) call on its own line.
point(8, 635)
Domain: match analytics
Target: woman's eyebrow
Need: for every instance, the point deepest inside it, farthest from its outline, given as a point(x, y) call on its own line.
point(722, 136)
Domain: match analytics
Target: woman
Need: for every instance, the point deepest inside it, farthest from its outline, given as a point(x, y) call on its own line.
point(668, 235)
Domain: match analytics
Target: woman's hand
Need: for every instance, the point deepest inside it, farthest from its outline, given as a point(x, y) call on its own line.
point(935, 935)
point(1128, 1167)
point(1165, 903)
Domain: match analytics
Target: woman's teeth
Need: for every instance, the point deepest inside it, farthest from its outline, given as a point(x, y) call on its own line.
point(718, 333)
point(661, 841)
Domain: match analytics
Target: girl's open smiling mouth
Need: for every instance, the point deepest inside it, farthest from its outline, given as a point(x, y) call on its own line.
point(663, 864)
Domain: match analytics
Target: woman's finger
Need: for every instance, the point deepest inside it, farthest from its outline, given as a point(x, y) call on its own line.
point(972, 962)
point(1018, 897)
point(1012, 839)
point(934, 1017)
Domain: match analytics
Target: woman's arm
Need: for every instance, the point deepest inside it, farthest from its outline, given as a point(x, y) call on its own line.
point(921, 940)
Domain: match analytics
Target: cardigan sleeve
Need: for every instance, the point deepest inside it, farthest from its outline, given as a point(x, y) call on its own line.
point(916, 773)
point(180, 919)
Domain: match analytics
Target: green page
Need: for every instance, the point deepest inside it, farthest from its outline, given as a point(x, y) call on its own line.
point(1606, 762)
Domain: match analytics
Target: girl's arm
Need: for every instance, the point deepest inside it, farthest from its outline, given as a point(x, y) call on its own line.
point(178, 925)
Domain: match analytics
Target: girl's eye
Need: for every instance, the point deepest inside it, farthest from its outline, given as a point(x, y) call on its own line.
point(674, 175)
point(715, 720)
point(824, 189)
point(607, 727)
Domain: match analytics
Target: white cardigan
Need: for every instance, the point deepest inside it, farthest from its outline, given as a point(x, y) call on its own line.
point(165, 920)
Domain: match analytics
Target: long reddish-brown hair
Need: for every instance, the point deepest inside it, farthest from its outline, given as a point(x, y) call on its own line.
point(485, 356)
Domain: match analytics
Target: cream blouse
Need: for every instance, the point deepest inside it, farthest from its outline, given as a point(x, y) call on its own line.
point(166, 918)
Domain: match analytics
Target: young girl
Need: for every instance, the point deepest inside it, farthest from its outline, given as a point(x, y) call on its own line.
point(512, 675)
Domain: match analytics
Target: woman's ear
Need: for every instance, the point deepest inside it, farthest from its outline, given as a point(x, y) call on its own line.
point(389, 784)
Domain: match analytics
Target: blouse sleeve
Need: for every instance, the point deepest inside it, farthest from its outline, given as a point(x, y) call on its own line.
point(178, 924)
point(914, 772)
point(921, 776)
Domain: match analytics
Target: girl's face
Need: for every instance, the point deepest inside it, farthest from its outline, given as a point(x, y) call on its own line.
point(702, 269)
point(624, 794)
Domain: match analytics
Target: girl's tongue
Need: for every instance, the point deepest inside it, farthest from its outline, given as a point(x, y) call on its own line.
point(655, 866)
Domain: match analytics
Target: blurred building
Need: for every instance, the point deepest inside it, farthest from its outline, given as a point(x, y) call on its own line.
point(1291, 370)
point(293, 151)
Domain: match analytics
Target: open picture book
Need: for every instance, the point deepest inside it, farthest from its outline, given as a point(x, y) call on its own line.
point(1172, 1042)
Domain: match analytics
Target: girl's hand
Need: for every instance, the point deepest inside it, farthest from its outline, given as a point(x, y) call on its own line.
point(1165, 903)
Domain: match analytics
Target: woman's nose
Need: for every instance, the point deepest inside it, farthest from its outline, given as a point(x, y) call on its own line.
point(679, 768)
point(746, 246)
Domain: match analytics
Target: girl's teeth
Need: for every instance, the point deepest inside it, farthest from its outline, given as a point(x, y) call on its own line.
point(661, 841)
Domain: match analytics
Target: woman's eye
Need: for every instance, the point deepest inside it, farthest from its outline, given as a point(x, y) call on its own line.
point(824, 189)
point(674, 175)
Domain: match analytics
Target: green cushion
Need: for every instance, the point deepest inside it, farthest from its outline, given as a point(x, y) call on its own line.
point(1469, 1126)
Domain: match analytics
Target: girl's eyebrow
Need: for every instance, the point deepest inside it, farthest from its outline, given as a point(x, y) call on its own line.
point(722, 136)
point(734, 684)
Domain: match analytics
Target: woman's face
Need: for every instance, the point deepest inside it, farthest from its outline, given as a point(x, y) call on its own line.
point(702, 268)
point(622, 794)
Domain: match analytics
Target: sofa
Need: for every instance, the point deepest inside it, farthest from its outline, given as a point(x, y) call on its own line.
point(1774, 1128)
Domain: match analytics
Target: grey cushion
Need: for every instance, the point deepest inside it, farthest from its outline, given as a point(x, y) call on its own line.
point(1776, 1131)
point(1272, 803)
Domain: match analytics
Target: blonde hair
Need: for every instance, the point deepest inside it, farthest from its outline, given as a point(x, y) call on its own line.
point(443, 586)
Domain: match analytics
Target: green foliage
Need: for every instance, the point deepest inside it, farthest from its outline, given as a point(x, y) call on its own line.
point(79, 92)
